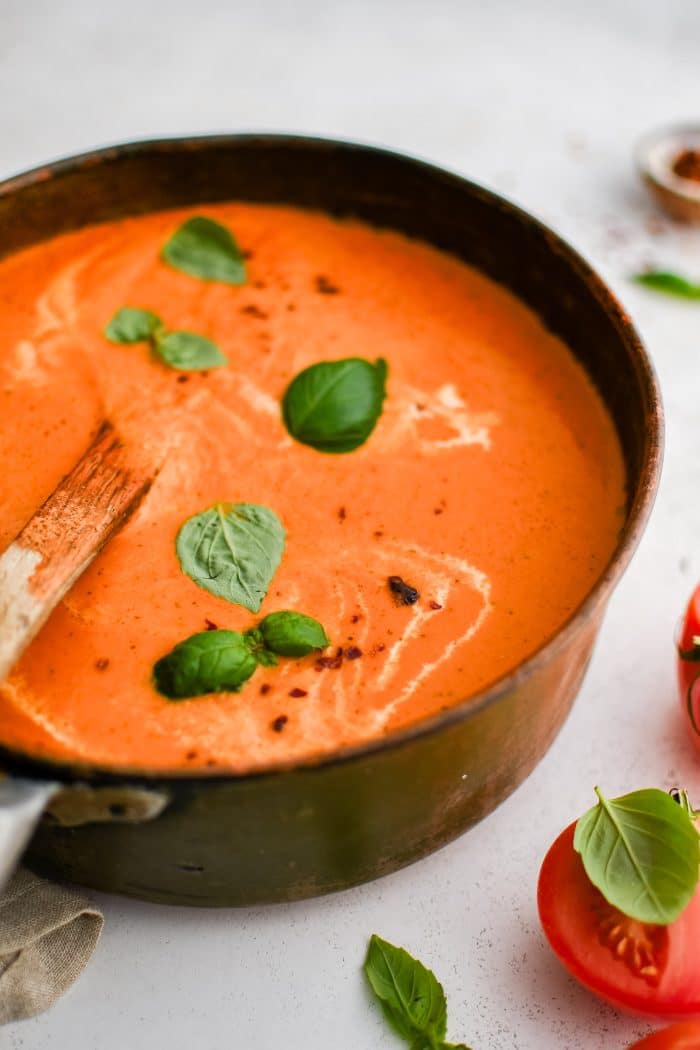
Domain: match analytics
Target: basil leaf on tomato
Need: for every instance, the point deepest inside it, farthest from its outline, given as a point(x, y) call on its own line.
point(208, 662)
point(334, 406)
point(204, 248)
point(188, 351)
point(642, 851)
point(232, 550)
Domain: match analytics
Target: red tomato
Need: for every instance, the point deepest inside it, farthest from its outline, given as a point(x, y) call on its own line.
point(689, 665)
point(683, 1036)
point(651, 970)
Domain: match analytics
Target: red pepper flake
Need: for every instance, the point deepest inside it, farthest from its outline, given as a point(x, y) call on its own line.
point(254, 311)
point(102, 664)
point(435, 605)
point(279, 723)
point(259, 284)
point(210, 625)
point(405, 594)
point(326, 287)
point(342, 513)
point(330, 663)
point(212, 762)
point(376, 649)
point(297, 692)
point(355, 617)
point(352, 652)
point(182, 379)
point(265, 688)
point(191, 755)
point(378, 533)
point(291, 307)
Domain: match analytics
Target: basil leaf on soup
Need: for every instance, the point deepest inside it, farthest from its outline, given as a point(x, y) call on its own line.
point(669, 283)
point(232, 550)
point(208, 662)
point(188, 351)
point(642, 851)
point(292, 634)
point(256, 645)
point(204, 248)
point(411, 996)
point(333, 406)
point(131, 325)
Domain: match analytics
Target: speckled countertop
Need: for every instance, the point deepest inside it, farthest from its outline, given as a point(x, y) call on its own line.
point(542, 101)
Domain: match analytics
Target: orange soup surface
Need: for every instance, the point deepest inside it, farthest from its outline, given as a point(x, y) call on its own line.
point(493, 484)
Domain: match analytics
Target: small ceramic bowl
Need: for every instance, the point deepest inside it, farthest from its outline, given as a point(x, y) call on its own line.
point(658, 155)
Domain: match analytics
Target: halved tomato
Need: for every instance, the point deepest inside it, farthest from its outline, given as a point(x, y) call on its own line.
point(650, 970)
point(683, 1036)
point(689, 665)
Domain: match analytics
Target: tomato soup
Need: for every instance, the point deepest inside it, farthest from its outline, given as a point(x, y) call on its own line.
point(492, 484)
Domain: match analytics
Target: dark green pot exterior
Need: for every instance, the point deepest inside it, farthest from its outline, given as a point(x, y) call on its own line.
point(297, 832)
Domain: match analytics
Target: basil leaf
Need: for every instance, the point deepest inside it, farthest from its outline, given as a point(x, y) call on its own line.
point(233, 551)
point(206, 249)
point(669, 283)
point(642, 851)
point(410, 995)
point(208, 662)
point(256, 644)
point(292, 634)
point(334, 405)
point(188, 351)
point(131, 325)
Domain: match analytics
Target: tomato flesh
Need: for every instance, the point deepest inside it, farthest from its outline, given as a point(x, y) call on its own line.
point(689, 666)
point(649, 970)
point(683, 1036)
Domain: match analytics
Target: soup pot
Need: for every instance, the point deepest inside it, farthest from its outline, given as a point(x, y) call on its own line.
point(212, 838)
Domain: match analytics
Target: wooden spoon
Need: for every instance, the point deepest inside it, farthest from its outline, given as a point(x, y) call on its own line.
point(58, 543)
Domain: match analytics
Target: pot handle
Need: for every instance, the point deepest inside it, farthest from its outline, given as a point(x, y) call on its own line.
point(21, 804)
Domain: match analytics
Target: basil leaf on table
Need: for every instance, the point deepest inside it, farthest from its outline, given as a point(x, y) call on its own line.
point(669, 283)
point(204, 248)
point(131, 325)
point(292, 633)
point(411, 996)
point(642, 851)
point(208, 662)
point(233, 551)
point(333, 406)
point(188, 351)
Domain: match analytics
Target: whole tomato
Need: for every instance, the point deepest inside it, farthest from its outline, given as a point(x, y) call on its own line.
point(689, 666)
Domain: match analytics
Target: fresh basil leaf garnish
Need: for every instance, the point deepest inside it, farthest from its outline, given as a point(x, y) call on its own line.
point(292, 634)
point(256, 644)
point(333, 406)
point(642, 851)
point(233, 551)
point(411, 997)
point(669, 283)
point(204, 248)
point(188, 351)
point(208, 662)
point(131, 325)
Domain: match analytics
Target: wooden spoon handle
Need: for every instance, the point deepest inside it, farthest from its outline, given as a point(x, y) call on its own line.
point(63, 537)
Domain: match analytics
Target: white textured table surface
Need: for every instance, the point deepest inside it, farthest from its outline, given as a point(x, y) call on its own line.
point(543, 102)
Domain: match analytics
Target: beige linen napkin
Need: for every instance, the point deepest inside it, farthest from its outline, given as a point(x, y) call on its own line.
point(47, 935)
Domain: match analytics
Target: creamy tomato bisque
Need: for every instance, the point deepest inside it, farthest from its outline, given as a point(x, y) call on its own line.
point(493, 484)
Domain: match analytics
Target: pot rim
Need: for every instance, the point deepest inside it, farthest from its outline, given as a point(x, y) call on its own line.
point(67, 770)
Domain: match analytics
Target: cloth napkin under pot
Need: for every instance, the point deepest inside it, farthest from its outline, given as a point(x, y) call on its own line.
point(47, 935)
